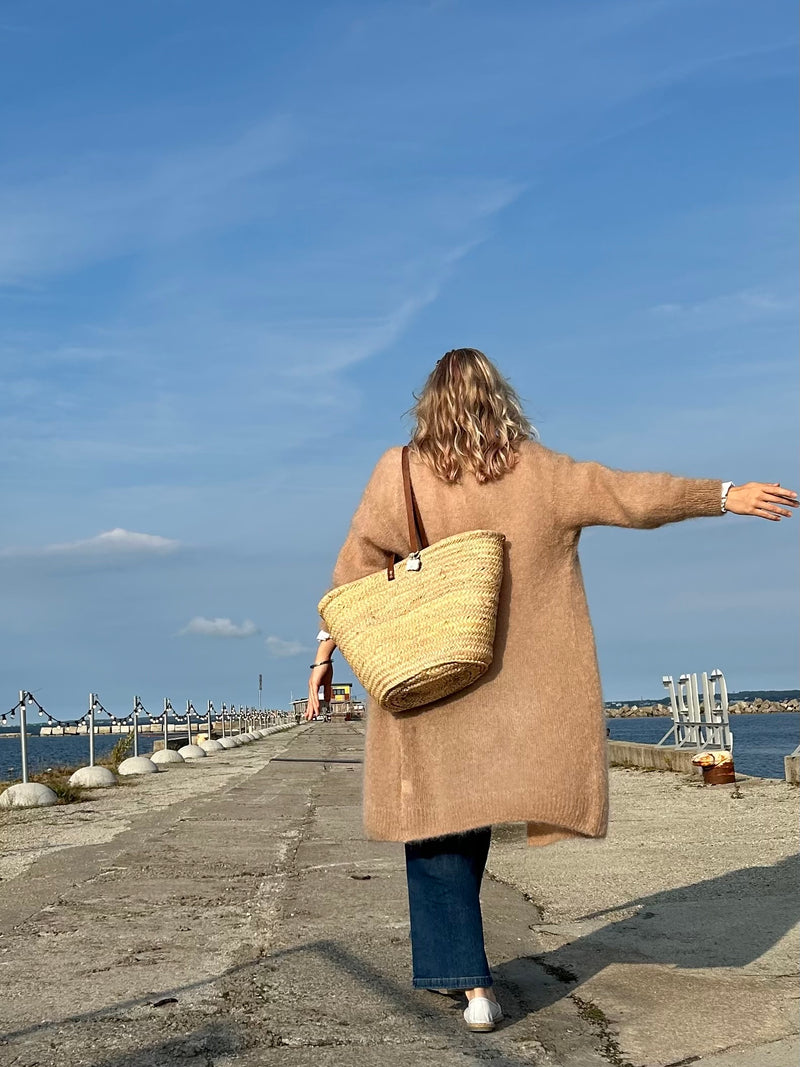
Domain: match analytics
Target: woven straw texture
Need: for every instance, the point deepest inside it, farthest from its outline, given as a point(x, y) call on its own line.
point(427, 633)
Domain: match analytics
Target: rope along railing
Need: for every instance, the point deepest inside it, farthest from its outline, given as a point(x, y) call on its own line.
point(98, 718)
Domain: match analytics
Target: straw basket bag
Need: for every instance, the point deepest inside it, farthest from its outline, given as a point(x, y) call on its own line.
point(425, 631)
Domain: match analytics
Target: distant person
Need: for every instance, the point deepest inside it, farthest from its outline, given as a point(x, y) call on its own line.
point(526, 742)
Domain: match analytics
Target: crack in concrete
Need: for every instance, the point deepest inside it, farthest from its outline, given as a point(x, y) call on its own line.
point(609, 1046)
point(522, 892)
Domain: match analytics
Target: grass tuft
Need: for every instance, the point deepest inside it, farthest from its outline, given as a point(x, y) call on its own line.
point(57, 778)
point(121, 750)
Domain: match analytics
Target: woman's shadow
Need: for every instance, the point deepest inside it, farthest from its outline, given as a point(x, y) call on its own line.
point(727, 922)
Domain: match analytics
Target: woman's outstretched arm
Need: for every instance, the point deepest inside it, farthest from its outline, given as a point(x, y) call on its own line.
point(587, 493)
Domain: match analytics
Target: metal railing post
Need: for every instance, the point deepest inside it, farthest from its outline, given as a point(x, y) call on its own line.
point(23, 736)
point(91, 729)
point(136, 726)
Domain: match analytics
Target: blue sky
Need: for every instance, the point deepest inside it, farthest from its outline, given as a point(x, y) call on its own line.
point(234, 238)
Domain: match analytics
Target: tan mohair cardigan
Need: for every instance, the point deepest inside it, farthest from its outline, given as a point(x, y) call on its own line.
point(527, 741)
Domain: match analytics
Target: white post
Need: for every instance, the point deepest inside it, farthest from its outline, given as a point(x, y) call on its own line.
point(669, 685)
point(91, 729)
point(23, 735)
point(136, 726)
point(721, 714)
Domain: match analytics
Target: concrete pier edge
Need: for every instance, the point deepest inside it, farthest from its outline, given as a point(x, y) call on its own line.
point(669, 758)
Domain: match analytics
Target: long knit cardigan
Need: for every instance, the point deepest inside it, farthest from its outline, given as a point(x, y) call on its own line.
point(527, 741)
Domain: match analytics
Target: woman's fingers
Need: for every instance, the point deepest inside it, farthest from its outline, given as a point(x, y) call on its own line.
point(775, 496)
point(320, 676)
point(312, 706)
point(767, 500)
point(769, 511)
point(765, 505)
point(785, 496)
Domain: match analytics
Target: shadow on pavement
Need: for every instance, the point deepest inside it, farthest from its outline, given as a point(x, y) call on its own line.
point(692, 928)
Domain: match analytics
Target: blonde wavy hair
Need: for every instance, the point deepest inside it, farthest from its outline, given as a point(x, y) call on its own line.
point(468, 417)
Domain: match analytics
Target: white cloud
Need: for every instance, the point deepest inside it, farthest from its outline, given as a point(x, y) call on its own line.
point(276, 646)
point(117, 542)
point(219, 627)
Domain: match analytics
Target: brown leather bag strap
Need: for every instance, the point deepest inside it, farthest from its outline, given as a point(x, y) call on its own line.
point(417, 537)
point(416, 531)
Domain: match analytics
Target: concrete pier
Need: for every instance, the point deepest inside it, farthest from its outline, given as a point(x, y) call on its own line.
point(239, 919)
point(654, 757)
point(669, 758)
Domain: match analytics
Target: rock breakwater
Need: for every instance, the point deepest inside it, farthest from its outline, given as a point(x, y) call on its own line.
point(758, 706)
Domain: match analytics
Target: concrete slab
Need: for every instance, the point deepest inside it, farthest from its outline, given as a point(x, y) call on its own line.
point(147, 950)
point(249, 923)
point(781, 1053)
point(681, 927)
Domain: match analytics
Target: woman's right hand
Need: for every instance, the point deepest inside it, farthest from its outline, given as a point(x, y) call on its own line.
point(763, 499)
point(321, 676)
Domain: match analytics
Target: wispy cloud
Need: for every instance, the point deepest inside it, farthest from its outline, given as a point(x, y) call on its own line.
point(727, 309)
point(282, 356)
point(93, 208)
point(219, 627)
point(279, 648)
point(117, 542)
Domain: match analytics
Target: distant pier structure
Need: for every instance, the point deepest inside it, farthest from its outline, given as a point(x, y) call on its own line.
point(696, 723)
point(342, 706)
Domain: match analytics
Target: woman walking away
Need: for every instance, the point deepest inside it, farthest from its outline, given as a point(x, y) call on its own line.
point(526, 742)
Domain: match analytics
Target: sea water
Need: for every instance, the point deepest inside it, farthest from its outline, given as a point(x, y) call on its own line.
point(71, 750)
point(759, 741)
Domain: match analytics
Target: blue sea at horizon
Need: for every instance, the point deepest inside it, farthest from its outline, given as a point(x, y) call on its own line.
point(760, 743)
point(71, 750)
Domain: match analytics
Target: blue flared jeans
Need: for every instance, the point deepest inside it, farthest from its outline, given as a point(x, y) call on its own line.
point(444, 881)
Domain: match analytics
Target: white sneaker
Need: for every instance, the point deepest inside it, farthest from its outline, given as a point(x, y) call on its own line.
point(481, 1014)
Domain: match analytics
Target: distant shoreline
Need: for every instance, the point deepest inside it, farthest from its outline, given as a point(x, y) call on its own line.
point(759, 706)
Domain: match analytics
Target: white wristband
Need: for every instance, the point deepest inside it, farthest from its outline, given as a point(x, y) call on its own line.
point(323, 635)
point(725, 487)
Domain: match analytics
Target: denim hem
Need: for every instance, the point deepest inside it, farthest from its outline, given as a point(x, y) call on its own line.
point(482, 981)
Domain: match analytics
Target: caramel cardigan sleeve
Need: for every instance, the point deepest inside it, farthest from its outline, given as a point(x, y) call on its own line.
point(370, 535)
point(586, 493)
